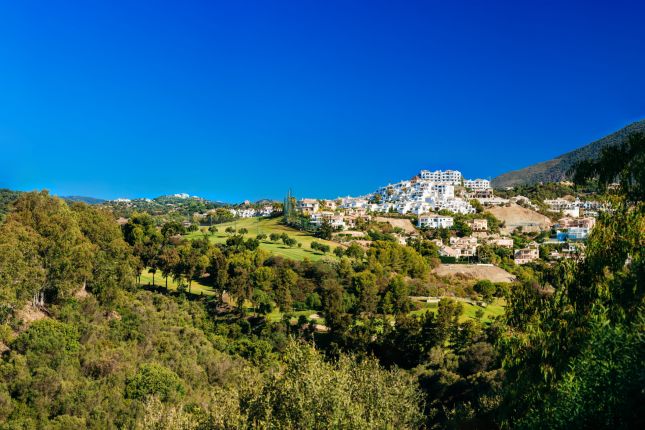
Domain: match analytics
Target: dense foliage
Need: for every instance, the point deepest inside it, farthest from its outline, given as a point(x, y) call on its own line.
point(84, 346)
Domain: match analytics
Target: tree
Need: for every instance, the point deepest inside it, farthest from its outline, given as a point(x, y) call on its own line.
point(157, 380)
point(22, 272)
point(262, 278)
point(364, 284)
point(168, 260)
point(217, 270)
point(144, 237)
point(570, 351)
point(323, 248)
point(63, 251)
point(192, 263)
point(112, 260)
point(325, 230)
point(354, 250)
point(229, 230)
point(243, 230)
point(288, 241)
point(399, 296)
point(220, 215)
point(240, 267)
point(486, 289)
point(285, 282)
point(172, 228)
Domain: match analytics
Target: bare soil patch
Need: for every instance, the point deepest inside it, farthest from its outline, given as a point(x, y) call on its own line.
point(402, 223)
point(516, 216)
point(475, 272)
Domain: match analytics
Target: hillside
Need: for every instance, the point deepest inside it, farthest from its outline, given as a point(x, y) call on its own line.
point(555, 170)
point(517, 216)
point(84, 199)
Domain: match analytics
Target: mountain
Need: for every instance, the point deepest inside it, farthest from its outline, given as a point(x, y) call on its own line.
point(555, 170)
point(83, 199)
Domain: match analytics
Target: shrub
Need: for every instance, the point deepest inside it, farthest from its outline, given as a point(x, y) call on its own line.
point(157, 380)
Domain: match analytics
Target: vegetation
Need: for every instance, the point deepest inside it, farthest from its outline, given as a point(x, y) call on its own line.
point(229, 338)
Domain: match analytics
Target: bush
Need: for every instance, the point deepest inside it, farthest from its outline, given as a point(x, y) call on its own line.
point(47, 343)
point(154, 380)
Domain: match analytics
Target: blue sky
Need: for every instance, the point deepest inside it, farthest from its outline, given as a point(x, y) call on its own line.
point(245, 99)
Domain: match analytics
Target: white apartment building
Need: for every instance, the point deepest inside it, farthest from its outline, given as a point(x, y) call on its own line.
point(453, 177)
point(477, 184)
point(435, 221)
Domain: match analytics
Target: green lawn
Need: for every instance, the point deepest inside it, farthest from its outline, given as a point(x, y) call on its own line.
point(491, 311)
point(267, 226)
point(276, 316)
point(196, 287)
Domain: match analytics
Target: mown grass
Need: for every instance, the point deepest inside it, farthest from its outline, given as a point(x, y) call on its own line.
point(267, 226)
point(491, 311)
point(196, 287)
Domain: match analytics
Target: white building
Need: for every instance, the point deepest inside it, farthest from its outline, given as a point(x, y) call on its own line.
point(503, 242)
point(435, 221)
point(477, 184)
point(452, 177)
point(308, 205)
point(528, 254)
point(336, 221)
point(578, 233)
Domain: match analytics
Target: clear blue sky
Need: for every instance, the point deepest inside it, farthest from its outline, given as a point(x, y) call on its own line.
point(244, 99)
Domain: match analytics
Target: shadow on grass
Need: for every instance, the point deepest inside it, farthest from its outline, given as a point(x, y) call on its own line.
point(176, 293)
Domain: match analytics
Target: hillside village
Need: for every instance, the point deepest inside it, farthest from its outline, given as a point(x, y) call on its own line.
point(436, 201)
point(464, 218)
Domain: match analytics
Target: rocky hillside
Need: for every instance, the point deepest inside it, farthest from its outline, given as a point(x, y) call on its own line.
point(556, 169)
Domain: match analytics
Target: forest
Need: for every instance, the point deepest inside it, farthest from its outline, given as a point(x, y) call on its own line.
point(85, 344)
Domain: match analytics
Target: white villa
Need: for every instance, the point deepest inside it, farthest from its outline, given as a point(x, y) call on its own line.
point(336, 221)
point(435, 221)
point(308, 205)
point(528, 254)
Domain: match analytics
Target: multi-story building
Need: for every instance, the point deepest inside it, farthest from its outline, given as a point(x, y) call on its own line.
point(477, 184)
point(336, 221)
point(479, 224)
point(467, 246)
point(308, 206)
point(435, 221)
point(588, 223)
point(452, 177)
point(528, 254)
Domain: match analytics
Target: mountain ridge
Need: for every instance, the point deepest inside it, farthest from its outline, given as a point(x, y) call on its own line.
point(556, 169)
